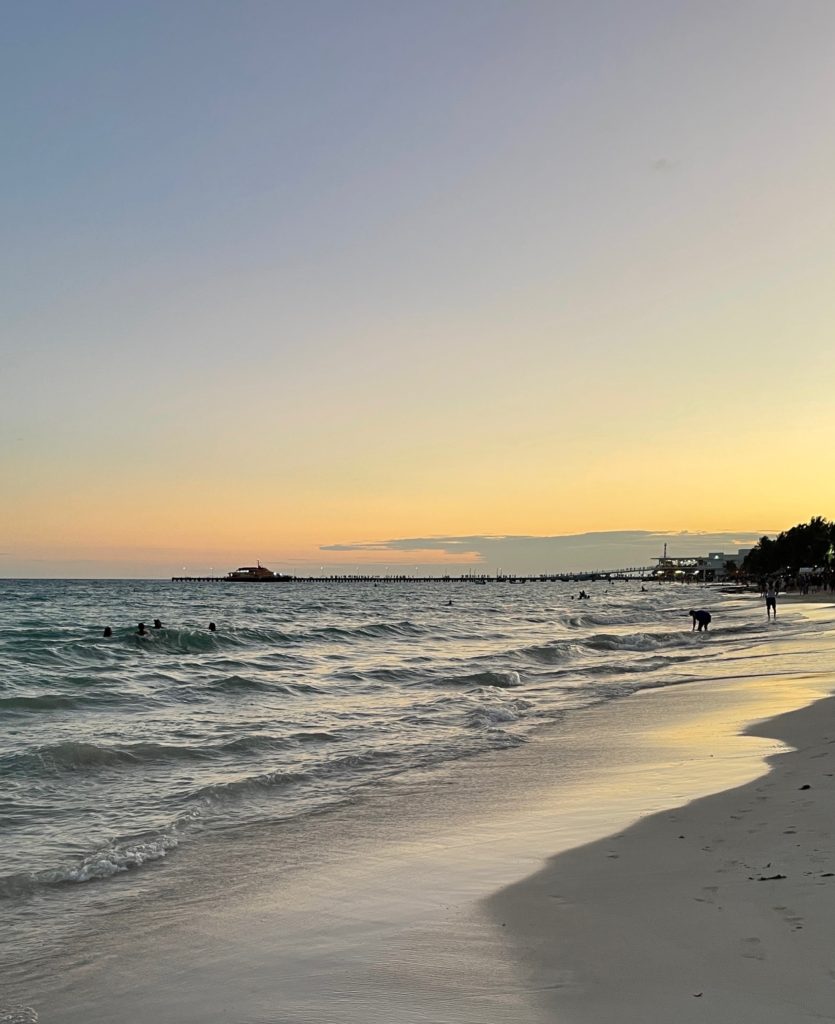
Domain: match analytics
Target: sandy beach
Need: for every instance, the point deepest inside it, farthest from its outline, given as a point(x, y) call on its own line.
point(721, 910)
point(428, 900)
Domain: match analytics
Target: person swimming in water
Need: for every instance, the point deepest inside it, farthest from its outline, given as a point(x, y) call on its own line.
point(107, 631)
point(701, 617)
point(212, 627)
point(157, 624)
point(140, 629)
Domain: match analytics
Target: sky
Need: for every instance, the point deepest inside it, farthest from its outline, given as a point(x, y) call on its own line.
point(312, 282)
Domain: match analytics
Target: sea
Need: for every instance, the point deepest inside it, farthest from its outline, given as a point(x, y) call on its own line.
point(122, 755)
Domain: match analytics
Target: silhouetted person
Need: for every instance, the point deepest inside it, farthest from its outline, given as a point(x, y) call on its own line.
point(157, 624)
point(212, 627)
point(140, 629)
point(771, 601)
point(702, 618)
point(107, 631)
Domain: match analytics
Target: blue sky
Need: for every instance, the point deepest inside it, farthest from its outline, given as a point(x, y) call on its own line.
point(277, 276)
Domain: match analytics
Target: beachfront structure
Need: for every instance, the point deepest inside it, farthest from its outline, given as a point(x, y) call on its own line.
point(706, 568)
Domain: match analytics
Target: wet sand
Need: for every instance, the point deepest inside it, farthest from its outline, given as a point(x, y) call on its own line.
point(719, 911)
point(428, 901)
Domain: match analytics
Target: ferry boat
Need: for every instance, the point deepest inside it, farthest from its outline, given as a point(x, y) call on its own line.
point(255, 574)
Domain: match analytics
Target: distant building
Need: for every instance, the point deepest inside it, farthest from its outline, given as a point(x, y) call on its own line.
point(705, 568)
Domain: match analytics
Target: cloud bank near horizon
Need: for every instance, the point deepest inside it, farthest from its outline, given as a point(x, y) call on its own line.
point(523, 553)
point(512, 553)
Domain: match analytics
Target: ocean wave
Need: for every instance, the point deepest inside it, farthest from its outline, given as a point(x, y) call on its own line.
point(655, 663)
point(584, 620)
point(74, 756)
point(239, 683)
point(492, 715)
point(225, 791)
point(634, 641)
point(553, 653)
point(260, 742)
point(181, 641)
point(404, 674)
point(114, 859)
point(502, 679)
point(315, 736)
point(245, 683)
point(55, 701)
point(371, 630)
point(235, 789)
point(79, 756)
point(18, 1014)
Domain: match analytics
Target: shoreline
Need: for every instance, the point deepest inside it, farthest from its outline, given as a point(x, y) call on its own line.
point(386, 909)
point(718, 910)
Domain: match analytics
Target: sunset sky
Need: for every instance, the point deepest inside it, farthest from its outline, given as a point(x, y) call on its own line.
point(310, 282)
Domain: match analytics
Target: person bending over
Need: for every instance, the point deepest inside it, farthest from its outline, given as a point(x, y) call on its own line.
point(700, 617)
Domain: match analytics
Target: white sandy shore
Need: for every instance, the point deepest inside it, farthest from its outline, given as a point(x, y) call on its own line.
point(722, 911)
point(383, 912)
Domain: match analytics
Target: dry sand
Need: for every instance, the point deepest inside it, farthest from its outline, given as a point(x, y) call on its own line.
point(721, 911)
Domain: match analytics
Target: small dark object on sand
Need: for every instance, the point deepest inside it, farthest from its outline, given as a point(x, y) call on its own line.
point(769, 878)
point(806, 786)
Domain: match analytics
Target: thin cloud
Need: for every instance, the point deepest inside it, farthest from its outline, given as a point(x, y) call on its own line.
point(527, 553)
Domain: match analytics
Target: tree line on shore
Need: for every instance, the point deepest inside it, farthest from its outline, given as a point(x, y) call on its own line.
point(807, 545)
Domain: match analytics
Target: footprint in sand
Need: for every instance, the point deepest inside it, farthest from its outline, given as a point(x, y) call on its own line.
point(791, 918)
point(752, 949)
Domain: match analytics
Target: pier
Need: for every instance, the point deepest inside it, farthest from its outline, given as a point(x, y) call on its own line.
point(634, 573)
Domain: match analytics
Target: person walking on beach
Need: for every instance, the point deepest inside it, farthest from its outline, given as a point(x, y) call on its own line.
point(702, 617)
point(771, 601)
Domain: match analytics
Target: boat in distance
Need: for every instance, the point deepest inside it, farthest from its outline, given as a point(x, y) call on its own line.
point(244, 574)
point(256, 574)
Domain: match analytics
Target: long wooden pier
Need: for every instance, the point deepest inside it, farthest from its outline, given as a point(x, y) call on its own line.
point(635, 573)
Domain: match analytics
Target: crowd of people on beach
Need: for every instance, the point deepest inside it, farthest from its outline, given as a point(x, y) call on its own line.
point(819, 581)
